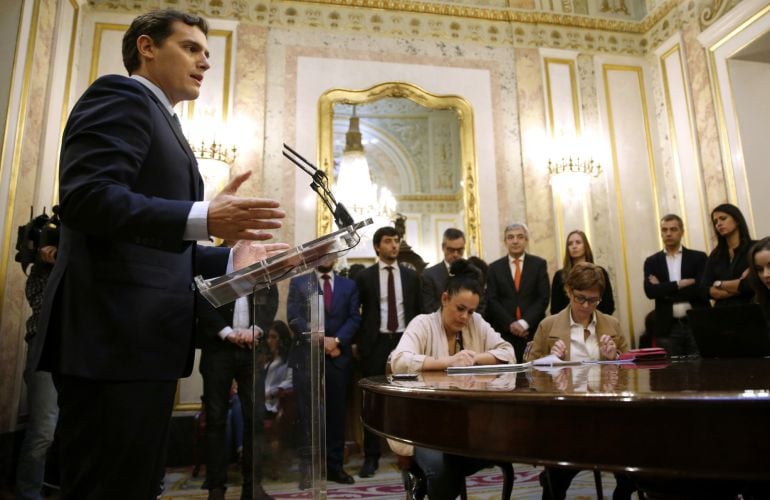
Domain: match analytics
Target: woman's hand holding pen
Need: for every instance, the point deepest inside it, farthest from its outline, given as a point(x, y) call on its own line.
point(607, 347)
point(463, 358)
point(559, 349)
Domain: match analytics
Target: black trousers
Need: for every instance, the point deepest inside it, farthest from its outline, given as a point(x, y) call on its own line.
point(374, 364)
point(219, 367)
point(109, 431)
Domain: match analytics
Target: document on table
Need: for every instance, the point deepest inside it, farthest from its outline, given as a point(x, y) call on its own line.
point(501, 368)
point(553, 360)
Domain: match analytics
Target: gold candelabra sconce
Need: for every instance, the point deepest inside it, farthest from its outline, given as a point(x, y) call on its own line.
point(214, 151)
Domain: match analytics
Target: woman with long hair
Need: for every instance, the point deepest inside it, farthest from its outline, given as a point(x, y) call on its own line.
point(578, 250)
point(759, 273)
point(454, 335)
point(724, 278)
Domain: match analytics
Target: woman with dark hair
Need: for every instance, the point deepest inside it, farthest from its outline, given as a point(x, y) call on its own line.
point(578, 250)
point(455, 335)
point(278, 376)
point(724, 278)
point(759, 274)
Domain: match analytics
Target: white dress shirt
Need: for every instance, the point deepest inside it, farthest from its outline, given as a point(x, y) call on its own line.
point(674, 265)
point(384, 297)
point(581, 348)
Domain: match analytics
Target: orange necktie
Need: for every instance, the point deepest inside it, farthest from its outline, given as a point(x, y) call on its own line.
point(517, 282)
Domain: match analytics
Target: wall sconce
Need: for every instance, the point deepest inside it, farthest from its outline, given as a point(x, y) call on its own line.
point(571, 175)
point(215, 157)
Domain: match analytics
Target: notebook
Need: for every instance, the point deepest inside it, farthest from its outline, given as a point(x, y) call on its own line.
point(730, 332)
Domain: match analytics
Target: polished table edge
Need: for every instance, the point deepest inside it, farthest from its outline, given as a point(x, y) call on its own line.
point(676, 434)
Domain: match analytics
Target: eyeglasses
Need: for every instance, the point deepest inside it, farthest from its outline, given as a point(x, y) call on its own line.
point(582, 299)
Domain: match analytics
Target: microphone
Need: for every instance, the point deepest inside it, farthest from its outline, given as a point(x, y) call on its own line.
point(320, 185)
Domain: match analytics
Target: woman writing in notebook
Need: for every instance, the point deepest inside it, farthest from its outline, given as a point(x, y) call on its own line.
point(455, 335)
point(580, 332)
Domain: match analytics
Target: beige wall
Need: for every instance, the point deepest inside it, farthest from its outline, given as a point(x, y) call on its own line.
point(615, 89)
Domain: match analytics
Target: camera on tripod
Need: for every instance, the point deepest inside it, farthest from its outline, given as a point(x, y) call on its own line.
point(39, 232)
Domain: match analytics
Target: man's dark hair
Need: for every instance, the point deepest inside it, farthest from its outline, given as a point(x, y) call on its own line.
point(670, 217)
point(452, 233)
point(158, 26)
point(382, 232)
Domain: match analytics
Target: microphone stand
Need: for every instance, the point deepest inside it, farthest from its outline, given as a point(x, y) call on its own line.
point(320, 185)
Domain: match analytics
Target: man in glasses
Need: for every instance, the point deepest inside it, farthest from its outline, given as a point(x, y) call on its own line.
point(435, 277)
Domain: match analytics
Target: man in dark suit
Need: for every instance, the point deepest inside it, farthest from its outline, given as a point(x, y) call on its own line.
point(118, 314)
point(227, 336)
point(435, 277)
point(517, 290)
point(341, 321)
point(671, 278)
point(390, 298)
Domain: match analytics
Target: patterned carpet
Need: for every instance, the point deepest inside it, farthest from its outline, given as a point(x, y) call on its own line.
point(385, 485)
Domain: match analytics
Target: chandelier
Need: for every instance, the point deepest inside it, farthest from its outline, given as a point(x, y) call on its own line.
point(574, 167)
point(215, 157)
point(354, 187)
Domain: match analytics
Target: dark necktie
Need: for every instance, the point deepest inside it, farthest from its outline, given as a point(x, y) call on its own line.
point(392, 313)
point(327, 292)
point(176, 120)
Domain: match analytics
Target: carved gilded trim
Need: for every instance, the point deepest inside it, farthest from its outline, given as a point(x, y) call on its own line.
point(414, 93)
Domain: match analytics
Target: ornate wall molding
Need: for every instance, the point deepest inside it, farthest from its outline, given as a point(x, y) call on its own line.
point(464, 21)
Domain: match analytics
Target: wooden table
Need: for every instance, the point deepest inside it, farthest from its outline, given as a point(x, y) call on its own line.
point(695, 418)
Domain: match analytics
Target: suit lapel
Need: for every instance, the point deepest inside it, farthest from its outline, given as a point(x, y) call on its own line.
point(196, 180)
point(663, 264)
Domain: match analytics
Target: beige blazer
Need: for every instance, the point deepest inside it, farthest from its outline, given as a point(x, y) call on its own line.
point(556, 327)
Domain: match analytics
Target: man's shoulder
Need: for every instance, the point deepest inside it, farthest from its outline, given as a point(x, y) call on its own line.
point(343, 281)
point(654, 256)
point(436, 270)
point(119, 84)
point(502, 261)
point(534, 259)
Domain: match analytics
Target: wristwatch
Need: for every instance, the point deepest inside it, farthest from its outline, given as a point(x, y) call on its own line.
point(718, 284)
point(337, 340)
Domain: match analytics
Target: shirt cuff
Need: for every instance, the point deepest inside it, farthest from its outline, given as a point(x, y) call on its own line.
point(197, 227)
point(523, 324)
point(225, 332)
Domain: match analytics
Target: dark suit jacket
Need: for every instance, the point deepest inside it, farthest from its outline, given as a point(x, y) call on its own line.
point(342, 321)
point(434, 281)
point(666, 292)
point(368, 282)
point(502, 297)
point(211, 321)
point(120, 300)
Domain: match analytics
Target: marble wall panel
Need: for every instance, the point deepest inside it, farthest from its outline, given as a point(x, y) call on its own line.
point(630, 134)
point(532, 176)
point(20, 170)
point(685, 172)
